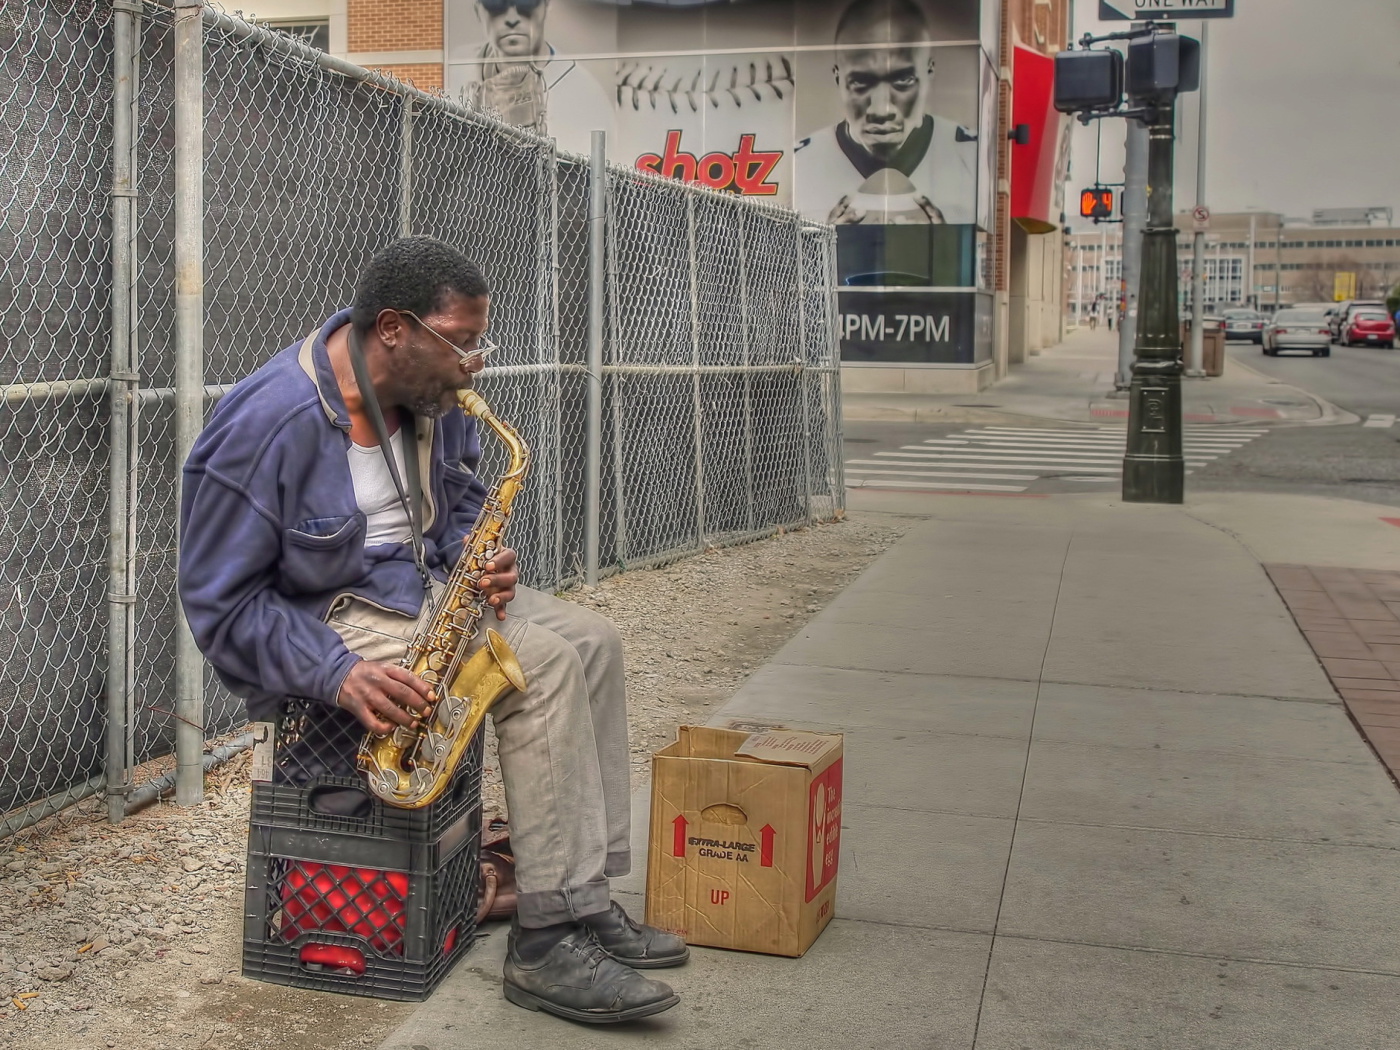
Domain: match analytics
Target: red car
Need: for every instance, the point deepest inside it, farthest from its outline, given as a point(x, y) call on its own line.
point(1372, 327)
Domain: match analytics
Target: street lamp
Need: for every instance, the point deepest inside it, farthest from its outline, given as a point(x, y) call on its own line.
point(1159, 66)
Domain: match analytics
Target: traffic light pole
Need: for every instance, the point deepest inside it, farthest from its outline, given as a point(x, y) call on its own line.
point(1134, 221)
point(1195, 360)
point(1153, 469)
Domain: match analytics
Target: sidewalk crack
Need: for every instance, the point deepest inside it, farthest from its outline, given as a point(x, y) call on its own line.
point(1021, 794)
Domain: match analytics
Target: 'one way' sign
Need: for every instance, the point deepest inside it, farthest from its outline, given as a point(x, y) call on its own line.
point(1163, 10)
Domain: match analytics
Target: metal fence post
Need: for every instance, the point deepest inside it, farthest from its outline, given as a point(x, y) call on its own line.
point(835, 422)
point(804, 390)
point(189, 361)
point(693, 253)
point(597, 232)
point(406, 168)
point(748, 376)
point(615, 339)
point(120, 599)
point(556, 342)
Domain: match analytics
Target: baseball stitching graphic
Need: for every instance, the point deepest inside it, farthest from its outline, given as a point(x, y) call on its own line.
point(657, 88)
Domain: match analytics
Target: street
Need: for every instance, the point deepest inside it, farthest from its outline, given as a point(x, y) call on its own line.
point(1357, 461)
point(1364, 380)
point(1017, 455)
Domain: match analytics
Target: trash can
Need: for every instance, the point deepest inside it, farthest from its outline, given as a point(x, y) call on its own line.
point(1212, 344)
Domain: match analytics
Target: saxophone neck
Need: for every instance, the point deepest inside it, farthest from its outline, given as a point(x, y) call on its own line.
point(474, 405)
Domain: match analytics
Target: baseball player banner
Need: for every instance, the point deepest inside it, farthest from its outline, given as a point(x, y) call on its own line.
point(876, 115)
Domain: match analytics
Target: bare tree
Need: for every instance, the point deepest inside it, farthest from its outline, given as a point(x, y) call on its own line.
point(1315, 285)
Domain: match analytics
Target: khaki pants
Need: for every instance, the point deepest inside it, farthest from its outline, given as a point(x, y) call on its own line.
point(562, 744)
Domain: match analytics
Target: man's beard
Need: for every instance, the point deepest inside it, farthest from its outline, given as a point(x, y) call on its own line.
point(428, 408)
point(425, 404)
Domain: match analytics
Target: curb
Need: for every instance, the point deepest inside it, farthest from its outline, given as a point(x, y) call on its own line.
point(1329, 414)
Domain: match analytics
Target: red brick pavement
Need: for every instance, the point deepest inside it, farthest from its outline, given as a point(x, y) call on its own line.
point(1351, 618)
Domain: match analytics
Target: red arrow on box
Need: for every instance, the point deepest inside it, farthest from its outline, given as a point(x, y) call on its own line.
point(678, 845)
point(765, 848)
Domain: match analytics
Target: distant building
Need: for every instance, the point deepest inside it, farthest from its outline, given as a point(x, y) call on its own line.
point(1353, 217)
point(1291, 260)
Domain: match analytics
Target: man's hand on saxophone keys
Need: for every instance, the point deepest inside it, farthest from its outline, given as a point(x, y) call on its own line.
point(498, 586)
point(383, 696)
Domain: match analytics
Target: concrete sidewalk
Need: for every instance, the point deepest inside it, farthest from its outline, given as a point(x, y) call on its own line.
point(1099, 794)
point(1073, 382)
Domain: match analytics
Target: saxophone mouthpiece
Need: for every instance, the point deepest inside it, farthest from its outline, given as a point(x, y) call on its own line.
point(473, 404)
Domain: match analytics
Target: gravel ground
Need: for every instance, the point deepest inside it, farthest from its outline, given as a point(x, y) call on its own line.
point(130, 936)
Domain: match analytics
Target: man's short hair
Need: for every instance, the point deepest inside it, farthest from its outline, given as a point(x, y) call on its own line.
point(417, 274)
point(895, 13)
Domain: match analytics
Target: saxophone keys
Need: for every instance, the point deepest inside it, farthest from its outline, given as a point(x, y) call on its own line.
point(383, 783)
point(436, 662)
point(420, 782)
point(433, 749)
point(452, 714)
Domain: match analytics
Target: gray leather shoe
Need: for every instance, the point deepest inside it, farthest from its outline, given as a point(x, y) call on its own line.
point(641, 947)
point(576, 979)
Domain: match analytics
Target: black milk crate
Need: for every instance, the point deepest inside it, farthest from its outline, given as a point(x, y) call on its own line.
point(349, 913)
point(315, 783)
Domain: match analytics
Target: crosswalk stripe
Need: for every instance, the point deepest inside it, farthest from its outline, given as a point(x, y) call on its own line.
point(1069, 450)
point(974, 463)
point(867, 466)
point(1080, 442)
point(933, 486)
point(1382, 421)
point(1011, 456)
point(1056, 465)
point(1119, 429)
point(999, 435)
point(1200, 428)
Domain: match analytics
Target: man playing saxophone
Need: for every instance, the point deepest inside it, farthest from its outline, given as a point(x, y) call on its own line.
point(303, 573)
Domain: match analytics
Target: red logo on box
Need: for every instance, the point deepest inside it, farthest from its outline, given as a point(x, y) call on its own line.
point(823, 829)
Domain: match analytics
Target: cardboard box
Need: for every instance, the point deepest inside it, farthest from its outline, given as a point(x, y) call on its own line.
point(745, 838)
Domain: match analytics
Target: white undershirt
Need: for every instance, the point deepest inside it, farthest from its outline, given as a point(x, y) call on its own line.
point(386, 517)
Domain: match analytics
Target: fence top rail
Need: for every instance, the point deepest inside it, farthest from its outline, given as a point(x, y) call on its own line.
point(290, 47)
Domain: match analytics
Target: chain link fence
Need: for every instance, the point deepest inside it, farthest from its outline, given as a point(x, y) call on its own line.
point(170, 224)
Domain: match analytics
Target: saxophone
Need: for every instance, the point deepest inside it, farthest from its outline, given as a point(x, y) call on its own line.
point(411, 768)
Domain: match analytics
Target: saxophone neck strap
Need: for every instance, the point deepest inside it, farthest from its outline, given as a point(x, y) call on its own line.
point(411, 496)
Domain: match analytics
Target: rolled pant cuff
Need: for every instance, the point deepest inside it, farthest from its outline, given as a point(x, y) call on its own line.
point(618, 864)
point(565, 905)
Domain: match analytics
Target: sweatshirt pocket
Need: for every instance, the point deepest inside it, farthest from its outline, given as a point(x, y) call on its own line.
point(321, 553)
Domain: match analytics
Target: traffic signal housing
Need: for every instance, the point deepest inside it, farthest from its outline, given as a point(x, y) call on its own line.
point(1162, 66)
point(1088, 80)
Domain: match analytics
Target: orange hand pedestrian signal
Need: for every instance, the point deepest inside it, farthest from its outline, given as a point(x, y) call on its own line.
point(1096, 203)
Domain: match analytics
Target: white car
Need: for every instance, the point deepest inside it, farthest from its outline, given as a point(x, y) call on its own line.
point(1298, 330)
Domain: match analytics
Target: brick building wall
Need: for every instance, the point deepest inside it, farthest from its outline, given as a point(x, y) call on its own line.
point(401, 37)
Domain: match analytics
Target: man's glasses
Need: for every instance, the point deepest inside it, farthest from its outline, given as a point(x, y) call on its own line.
point(478, 356)
point(498, 7)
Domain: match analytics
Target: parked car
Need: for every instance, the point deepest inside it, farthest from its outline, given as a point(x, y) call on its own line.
point(1298, 330)
point(1244, 325)
point(1370, 326)
point(1341, 314)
